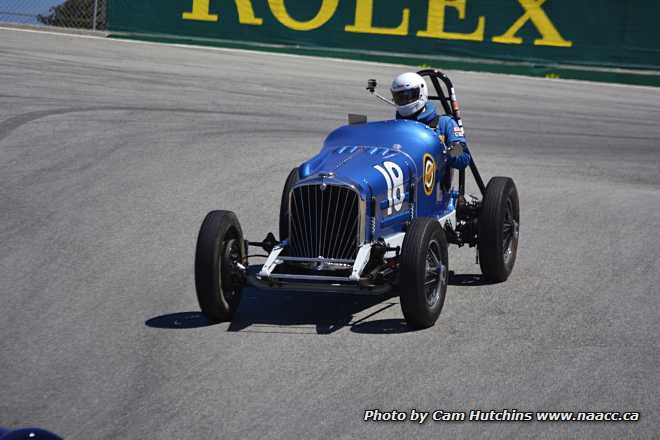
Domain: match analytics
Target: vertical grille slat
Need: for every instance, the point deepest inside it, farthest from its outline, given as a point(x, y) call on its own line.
point(324, 223)
point(296, 226)
point(300, 222)
point(308, 227)
point(326, 226)
point(340, 225)
point(319, 222)
point(344, 242)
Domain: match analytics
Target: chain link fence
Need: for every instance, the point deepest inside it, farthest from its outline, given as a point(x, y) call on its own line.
point(79, 14)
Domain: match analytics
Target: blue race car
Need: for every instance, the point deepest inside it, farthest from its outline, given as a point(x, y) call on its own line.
point(374, 210)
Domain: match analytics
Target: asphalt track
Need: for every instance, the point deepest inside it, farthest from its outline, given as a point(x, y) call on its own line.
point(112, 152)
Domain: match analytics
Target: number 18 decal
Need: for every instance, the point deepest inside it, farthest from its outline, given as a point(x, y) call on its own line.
point(393, 175)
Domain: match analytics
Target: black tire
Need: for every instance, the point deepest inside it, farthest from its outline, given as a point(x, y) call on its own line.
point(284, 204)
point(424, 245)
point(499, 229)
point(219, 245)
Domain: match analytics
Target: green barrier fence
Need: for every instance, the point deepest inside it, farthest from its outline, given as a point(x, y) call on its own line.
point(616, 40)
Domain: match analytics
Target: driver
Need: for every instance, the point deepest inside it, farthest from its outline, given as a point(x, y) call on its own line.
point(411, 96)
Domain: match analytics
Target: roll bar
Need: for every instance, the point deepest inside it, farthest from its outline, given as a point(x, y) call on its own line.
point(452, 108)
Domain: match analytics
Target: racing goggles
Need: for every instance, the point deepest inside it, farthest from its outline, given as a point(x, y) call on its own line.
point(405, 97)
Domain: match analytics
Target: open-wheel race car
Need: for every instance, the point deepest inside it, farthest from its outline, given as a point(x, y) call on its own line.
point(374, 210)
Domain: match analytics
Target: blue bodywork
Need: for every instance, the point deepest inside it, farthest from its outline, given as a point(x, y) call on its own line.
point(369, 158)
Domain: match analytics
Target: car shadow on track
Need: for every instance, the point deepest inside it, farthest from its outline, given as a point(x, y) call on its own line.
point(321, 313)
point(266, 311)
point(468, 279)
point(181, 320)
point(297, 313)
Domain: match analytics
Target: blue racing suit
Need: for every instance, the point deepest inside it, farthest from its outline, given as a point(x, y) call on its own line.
point(448, 131)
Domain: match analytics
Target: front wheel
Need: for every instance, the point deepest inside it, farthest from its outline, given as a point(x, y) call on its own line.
point(220, 248)
point(423, 272)
point(498, 229)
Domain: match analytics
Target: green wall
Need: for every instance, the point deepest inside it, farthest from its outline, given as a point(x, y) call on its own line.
point(595, 33)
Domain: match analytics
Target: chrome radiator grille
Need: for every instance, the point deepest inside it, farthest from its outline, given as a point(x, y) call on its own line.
point(324, 223)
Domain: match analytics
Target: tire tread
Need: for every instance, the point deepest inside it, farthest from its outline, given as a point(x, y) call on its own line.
point(217, 225)
point(412, 261)
point(490, 248)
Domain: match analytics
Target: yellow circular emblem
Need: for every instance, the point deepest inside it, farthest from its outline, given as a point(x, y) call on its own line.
point(429, 174)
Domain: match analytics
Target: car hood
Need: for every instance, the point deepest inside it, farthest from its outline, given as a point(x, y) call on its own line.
point(356, 155)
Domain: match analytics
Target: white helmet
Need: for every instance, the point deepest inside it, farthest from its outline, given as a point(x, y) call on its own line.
point(410, 93)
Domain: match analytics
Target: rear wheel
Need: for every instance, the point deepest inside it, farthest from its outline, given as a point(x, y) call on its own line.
point(423, 272)
point(220, 248)
point(284, 204)
point(499, 229)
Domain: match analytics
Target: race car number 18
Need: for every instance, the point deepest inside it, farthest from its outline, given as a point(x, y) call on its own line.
point(393, 175)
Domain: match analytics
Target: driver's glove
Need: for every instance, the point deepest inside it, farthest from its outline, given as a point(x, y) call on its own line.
point(458, 155)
